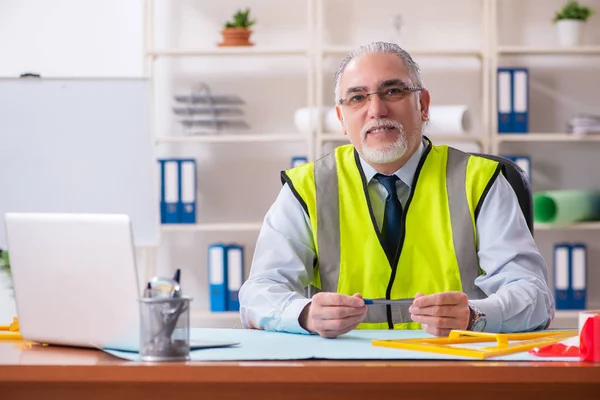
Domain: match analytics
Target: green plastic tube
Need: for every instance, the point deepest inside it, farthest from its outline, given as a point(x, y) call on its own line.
point(562, 207)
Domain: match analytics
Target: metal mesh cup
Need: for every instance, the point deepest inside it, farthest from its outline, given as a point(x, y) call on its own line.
point(165, 329)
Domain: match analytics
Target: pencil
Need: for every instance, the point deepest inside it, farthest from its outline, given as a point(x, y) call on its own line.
point(389, 302)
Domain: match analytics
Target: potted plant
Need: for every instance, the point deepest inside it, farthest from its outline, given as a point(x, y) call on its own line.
point(237, 31)
point(5, 273)
point(570, 20)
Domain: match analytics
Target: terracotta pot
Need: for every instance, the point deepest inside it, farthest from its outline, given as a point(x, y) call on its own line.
point(236, 37)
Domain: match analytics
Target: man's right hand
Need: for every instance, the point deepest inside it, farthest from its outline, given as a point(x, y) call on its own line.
point(333, 314)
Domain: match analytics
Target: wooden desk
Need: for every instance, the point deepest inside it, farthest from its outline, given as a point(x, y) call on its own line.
point(66, 373)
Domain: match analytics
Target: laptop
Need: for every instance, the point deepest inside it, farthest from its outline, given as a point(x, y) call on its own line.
point(75, 279)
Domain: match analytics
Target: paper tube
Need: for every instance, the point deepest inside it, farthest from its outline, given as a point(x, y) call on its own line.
point(332, 123)
point(305, 116)
point(450, 119)
point(566, 206)
point(589, 335)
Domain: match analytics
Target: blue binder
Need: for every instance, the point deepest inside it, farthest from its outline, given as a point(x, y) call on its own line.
point(217, 277)
point(296, 161)
point(505, 100)
point(235, 275)
point(520, 80)
point(562, 275)
point(523, 161)
point(578, 276)
point(170, 191)
point(187, 206)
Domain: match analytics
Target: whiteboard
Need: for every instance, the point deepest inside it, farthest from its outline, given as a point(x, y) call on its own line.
point(78, 146)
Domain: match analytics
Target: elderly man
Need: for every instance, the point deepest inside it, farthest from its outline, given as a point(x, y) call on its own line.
point(393, 216)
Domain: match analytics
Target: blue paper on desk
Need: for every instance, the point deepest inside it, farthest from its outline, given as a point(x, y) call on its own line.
point(355, 345)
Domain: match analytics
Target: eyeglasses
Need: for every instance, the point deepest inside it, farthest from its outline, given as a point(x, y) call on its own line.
point(390, 94)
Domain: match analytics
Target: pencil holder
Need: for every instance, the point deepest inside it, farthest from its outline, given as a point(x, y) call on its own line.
point(165, 329)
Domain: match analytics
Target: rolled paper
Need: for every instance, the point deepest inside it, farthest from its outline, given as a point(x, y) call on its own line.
point(566, 206)
point(589, 335)
point(448, 119)
point(306, 117)
point(332, 123)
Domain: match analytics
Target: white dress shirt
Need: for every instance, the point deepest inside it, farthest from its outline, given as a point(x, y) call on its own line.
point(515, 278)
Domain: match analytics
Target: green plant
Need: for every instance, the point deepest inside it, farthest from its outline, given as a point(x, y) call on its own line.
point(4, 261)
point(573, 10)
point(241, 19)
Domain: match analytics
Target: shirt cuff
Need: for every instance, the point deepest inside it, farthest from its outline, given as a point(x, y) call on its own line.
point(289, 321)
point(493, 313)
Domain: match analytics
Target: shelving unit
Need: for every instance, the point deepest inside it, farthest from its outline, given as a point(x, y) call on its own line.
point(324, 50)
point(532, 50)
point(152, 54)
point(229, 51)
point(582, 226)
point(214, 227)
point(547, 137)
point(500, 50)
point(579, 232)
point(489, 56)
point(171, 142)
point(233, 138)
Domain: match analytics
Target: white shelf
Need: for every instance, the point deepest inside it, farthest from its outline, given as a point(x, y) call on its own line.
point(546, 137)
point(438, 138)
point(548, 50)
point(208, 319)
point(229, 51)
point(212, 227)
point(583, 226)
point(456, 138)
point(333, 137)
point(233, 138)
point(432, 52)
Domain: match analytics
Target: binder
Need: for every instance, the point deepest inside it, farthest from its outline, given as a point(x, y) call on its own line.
point(562, 275)
point(520, 81)
point(505, 101)
point(217, 277)
point(170, 191)
point(578, 276)
point(235, 275)
point(296, 161)
point(187, 210)
point(522, 161)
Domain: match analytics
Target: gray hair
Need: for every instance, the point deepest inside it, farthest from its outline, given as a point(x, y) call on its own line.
point(379, 47)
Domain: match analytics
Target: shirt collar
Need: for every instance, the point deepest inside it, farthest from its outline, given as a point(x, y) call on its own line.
point(406, 173)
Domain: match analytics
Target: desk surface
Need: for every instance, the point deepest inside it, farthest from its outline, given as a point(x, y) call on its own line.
point(30, 371)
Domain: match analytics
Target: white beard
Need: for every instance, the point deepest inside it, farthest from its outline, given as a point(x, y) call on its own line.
point(393, 152)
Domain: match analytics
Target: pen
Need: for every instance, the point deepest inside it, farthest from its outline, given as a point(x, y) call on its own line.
point(408, 301)
point(177, 275)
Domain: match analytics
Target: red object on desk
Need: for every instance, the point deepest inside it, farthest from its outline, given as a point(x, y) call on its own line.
point(555, 350)
point(589, 348)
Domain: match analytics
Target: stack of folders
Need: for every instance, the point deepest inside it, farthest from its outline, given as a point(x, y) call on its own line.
point(570, 276)
point(296, 161)
point(225, 276)
point(522, 161)
point(513, 100)
point(177, 191)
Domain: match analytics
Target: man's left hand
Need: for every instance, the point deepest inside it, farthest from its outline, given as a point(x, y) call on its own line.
point(441, 312)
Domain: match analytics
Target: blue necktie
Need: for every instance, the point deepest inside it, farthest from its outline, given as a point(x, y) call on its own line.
point(392, 219)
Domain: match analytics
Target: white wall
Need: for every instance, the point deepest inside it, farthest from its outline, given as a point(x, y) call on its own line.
point(70, 38)
point(238, 182)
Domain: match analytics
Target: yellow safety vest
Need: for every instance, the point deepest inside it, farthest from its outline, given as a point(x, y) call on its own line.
point(438, 249)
